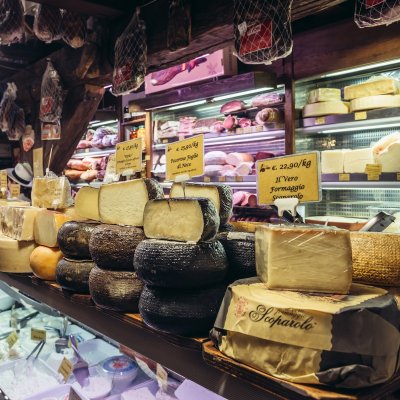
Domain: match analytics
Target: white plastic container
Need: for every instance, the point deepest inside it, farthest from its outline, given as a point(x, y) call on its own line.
point(96, 350)
point(121, 370)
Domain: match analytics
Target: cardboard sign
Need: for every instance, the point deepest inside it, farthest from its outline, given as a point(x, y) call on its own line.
point(38, 162)
point(296, 176)
point(3, 179)
point(129, 157)
point(15, 190)
point(65, 368)
point(185, 159)
point(12, 339)
point(38, 334)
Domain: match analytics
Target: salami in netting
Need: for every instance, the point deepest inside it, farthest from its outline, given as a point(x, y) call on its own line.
point(179, 25)
point(130, 58)
point(370, 13)
point(11, 21)
point(74, 29)
point(47, 23)
point(262, 30)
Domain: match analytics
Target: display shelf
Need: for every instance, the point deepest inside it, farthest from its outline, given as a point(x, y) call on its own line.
point(288, 390)
point(134, 121)
point(83, 184)
point(361, 185)
point(246, 184)
point(93, 152)
point(182, 358)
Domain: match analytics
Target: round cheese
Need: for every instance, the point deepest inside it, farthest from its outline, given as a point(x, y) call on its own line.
point(172, 264)
point(113, 246)
point(115, 290)
point(74, 275)
point(44, 262)
point(374, 102)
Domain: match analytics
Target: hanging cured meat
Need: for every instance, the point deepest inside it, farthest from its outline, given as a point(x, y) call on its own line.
point(11, 21)
point(73, 29)
point(179, 25)
point(47, 23)
point(370, 13)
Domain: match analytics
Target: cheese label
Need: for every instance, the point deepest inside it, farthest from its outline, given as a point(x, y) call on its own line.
point(129, 157)
point(12, 339)
point(238, 178)
point(38, 162)
point(38, 334)
point(344, 177)
point(358, 116)
point(373, 176)
point(221, 179)
point(320, 121)
point(373, 169)
point(73, 395)
point(294, 176)
point(15, 190)
point(65, 368)
point(206, 179)
point(3, 178)
point(162, 376)
point(185, 158)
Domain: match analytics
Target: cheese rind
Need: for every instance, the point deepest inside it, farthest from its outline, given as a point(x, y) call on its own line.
point(14, 255)
point(123, 203)
point(372, 87)
point(18, 222)
point(87, 203)
point(307, 259)
point(355, 161)
point(325, 108)
point(183, 220)
point(374, 102)
point(323, 94)
point(47, 225)
point(332, 161)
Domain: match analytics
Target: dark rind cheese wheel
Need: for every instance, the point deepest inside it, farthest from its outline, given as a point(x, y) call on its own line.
point(185, 220)
point(73, 239)
point(113, 246)
point(115, 290)
point(172, 264)
point(74, 275)
point(182, 312)
point(240, 250)
point(220, 194)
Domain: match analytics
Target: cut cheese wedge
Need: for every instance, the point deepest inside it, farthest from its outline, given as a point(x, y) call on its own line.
point(14, 255)
point(323, 94)
point(123, 203)
point(325, 108)
point(18, 222)
point(71, 212)
point(221, 195)
point(355, 161)
point(332, 161)
point(389, 158)
point(183, 220)
point(47, 225)
point(304, 258)
point(87, 203)
point(372, 87)
point(374, 102)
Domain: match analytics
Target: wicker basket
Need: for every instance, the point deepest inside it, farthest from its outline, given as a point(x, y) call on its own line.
point(376, 258)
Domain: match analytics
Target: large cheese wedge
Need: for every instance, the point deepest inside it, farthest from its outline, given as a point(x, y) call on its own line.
point(372, 87)
point(165, 263)
point(47, 225)
point(384, 142)
point(71, 212)
point(349, 341)
point(44, 262)
point(389, 158)
point(87, 203)
point(325, 108)
point(183, 220)
point(113, 246)
point(18, 222)
point(323, 94)
point(304, 258)
point(332, 161)
point(14, 255)
point(374, 102)
point(355, 161)
point(74, 275)
point(221, 195)
point(54, 193)
point(123, 202)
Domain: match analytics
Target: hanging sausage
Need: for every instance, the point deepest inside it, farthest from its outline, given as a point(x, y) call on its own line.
point(73, 29)
point(11, 21)
point(47, 23)
point(370, 13)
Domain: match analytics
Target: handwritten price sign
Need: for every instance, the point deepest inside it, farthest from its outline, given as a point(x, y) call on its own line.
point(129, 157)
point(290, 176)
point(185, 159)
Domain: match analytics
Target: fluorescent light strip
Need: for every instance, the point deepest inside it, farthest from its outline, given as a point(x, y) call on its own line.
point(107, 87)
point(111, 121)
point(186, 105)
point(362, 68)
point(233, 95)
point(362, 128)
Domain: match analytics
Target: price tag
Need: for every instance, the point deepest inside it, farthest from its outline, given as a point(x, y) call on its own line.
point(344, 177)
point(38, 334)
point(320, 121)
point(65, 368)
point(359, 116)
point(73, 395)
point(12, 339)
point(373, 177)
point(162, 376)
point(373, 169)
point(206, 179)
point(3, 178)
point(38, 162)
point(15, 190)
point(238, 178)
point(129, 157)
point(164, 141)
point(295, 176)
point(221, 179)
point(185, 158)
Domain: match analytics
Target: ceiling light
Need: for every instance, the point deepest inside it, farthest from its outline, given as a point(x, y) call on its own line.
point(233, 95)
point(187, 105)
point(362, 128)
point(109, 122)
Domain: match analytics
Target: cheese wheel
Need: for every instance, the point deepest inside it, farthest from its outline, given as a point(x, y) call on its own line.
point(171, 264)
point(115, 290)
point(47, 225)
point(44, 262)
point(238, 158)
point(325, 108)
point(374, 102)
point(185, 312)
point(113, 246)
point(14, 255)
point(74, 275)
point(73, 239)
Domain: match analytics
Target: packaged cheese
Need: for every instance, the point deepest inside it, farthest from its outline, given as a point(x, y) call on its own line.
point(18, 222)
point(51, 192)
point(374, 102)
point(332, 161)
point(325, 108)
point(323, 94)
point(14, 255)
point(355, 161)
point(349, 341)
point(305, 258)
point(373, 87)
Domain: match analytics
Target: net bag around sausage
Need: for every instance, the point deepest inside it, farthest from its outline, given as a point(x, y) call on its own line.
point(11, 22)
point(262, 30)
point(47, 23)
point(370, 13)
point(130, 57)
point(74, 29)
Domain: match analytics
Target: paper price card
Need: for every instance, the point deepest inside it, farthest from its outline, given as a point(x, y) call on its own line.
point(289, 176)
point(15, 190)
point(12, 339)
point(3, 178)
point(65, 368)
point(38, 334)
point(185, 159)
point(129, 157)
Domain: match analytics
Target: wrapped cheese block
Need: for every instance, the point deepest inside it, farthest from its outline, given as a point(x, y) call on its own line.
point(323, 94)
point(347, 341)
point(238, 158)
point(373, 87)
point(355, 161)
point(332, 161)
point(18, 222)
point(374, 102)
point(325, 108)
point(304, 258)
point(51, 192)
point(14, 255)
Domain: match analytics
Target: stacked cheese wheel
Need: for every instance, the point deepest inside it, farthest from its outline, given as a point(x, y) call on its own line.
point(181, 263)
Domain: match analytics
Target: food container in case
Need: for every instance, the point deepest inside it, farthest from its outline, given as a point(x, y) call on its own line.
point(121, 369)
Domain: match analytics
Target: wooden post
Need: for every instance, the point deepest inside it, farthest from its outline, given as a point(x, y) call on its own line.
point(290, 115)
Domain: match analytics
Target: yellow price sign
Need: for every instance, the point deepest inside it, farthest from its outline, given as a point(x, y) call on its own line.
point(38, 162)
point(373, 169)
point(65, 368)
point(344, 177)
point(15, 190)
point(320, 121)
point(12, 338)
point(38, 334)
point(185, 159)
point(295, 176)
point(3, 178)
point(128, 159)
point(359, 116)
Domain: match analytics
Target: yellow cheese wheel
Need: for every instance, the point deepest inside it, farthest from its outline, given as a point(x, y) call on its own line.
point(44, 261)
